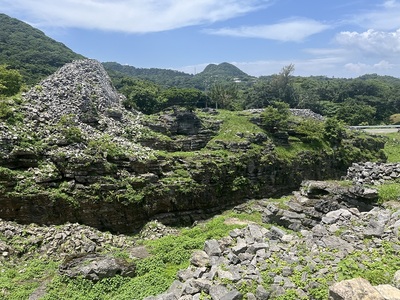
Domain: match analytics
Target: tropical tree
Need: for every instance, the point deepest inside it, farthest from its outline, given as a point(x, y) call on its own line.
point(224, 95)
point(185, 97)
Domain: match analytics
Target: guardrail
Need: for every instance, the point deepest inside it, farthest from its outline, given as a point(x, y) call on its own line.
point(374, 126)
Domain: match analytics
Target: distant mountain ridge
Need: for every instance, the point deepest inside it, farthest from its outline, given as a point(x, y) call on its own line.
point(224, 72)
point(30, 51)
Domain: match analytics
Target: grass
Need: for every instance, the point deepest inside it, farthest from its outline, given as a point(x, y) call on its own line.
point(392, 147)
point(19, 281)
point(388, 191)
point(234, 122)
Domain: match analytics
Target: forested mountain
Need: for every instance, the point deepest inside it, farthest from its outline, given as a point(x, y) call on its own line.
point(30, 51)
point(163, 77)
point(224, 70)
point(222, 73)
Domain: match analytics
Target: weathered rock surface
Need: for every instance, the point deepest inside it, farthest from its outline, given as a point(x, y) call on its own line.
point(361, 289)
point(355, 289)
point(96, 267)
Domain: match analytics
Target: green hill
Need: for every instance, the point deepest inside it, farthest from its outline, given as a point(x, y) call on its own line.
point(30, 51)
point(224, 70)
point(213, 73)
point(162, 77)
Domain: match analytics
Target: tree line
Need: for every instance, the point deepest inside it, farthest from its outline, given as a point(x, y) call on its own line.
point(366, 100)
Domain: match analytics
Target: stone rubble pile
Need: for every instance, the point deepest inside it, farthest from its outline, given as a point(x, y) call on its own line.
point(56, 241)
point(373, 173)
point(259, 263)
point(71, 239)
point(306, 113)
point(84, 83)
point(81, 95)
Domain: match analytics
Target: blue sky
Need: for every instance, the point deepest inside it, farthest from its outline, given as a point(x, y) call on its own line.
point(340, 38)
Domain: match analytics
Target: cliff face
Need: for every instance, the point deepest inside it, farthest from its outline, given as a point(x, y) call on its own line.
point(76, 154)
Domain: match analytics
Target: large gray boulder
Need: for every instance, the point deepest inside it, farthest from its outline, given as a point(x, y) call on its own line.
point(96, 267)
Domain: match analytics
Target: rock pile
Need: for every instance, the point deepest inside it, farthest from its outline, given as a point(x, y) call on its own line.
point(306, 113)
point(81, 88)
point(373, 173)
point(59, 242)
point(56, 241)
point(262, 263)
point(315, 200)
point(77, 102)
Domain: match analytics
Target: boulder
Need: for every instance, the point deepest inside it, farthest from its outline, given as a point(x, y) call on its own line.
point(354, 289)
point(96, 267)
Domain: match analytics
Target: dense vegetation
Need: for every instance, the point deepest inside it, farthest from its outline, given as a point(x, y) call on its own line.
point(366, 100)
point(30, 51)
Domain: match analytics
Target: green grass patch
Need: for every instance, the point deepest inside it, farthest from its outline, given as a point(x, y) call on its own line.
point(295, 147)
point(234, 122)
point(19, 281)
point(388, 191)
point(392, 147)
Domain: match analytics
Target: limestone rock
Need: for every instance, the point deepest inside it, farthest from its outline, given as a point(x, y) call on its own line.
point(354, 289)
point(388, 292)
point(96, 267)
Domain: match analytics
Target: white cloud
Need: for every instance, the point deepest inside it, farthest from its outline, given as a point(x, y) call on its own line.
point(362, 68)
point(135, 16)
point(372, 41)
point(287, 30)
point(385, 17)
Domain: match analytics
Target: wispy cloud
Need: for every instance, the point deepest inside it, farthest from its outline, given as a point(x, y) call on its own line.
point(294, 30)
point(385, 16)
point(134, 16)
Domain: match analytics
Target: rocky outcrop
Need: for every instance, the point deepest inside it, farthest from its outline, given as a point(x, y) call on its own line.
point(184, 129)
point(373, 173)
point(320, 201)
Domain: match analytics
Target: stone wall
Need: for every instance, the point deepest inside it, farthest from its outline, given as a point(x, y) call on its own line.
point(373, 173)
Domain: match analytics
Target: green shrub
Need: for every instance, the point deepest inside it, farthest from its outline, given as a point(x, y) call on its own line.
point(275, 117)
point(311, 131)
